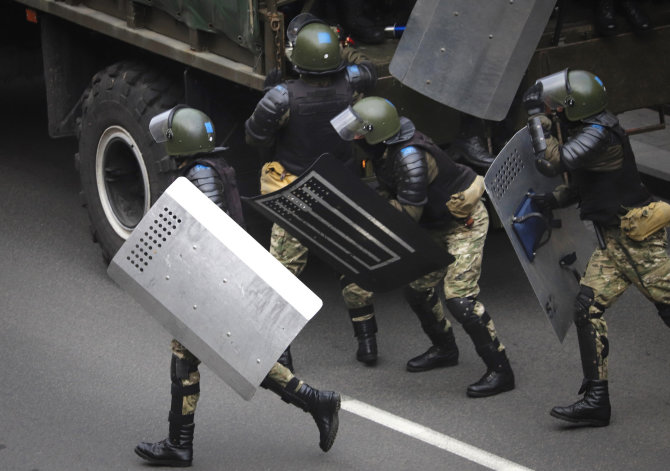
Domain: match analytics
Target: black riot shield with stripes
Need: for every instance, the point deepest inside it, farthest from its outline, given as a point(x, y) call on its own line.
point(553, 248)
point(351, 228)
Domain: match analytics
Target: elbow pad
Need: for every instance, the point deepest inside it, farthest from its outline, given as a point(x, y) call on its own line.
point(362, 77)
point(207, 180)
point(580, 149)
point(266, 118)
point(411, 173)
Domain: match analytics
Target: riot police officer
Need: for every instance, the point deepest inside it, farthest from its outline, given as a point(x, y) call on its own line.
point(603, 178)
point(422, 181)
point(294, 117)
point(189, 138)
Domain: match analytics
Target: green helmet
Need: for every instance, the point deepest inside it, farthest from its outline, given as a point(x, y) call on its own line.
point(184, 130)
point(579, 93)
point(374, 118)
point(316, 50)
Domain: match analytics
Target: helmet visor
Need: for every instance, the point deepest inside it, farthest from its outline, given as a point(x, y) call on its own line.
point(349, 125)
point(158, 126)
point(555, 89)
point(296, 24)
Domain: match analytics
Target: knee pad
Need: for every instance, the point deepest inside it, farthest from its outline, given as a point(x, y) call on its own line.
point(463, 309)
point(208, 180)
point(422, 303)
point(664, 312)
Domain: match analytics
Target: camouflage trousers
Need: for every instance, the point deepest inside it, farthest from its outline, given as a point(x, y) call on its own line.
point(609, 272)
point(279, 374)
point(459, 280)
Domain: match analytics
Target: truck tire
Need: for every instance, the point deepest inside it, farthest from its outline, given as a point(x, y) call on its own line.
point(117, 158)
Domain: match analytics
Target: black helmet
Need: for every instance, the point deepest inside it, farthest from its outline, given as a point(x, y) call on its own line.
point(578, 93)
point(373, 118)
point(184, 130)
point(316, 50)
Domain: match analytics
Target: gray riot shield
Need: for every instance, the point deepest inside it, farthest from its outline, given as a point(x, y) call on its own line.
point(213, 287)
point(357, 232)
point(553, 251)
point(470, 54)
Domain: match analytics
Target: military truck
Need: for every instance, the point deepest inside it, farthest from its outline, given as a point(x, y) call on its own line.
point(111, 65)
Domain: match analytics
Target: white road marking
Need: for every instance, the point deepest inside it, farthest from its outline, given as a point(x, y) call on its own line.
point(429, 436)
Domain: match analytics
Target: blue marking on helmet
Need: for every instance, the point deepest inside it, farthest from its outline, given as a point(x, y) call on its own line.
point(354, 69)
point(408, 150)
point(209, 127)
point(280, 87)
point(599, 81)
point(324, 37)
point(597, 126)
point(200, 167)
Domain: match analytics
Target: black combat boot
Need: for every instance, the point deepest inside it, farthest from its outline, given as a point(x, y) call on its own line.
point(365, 331)
point(443, 353)
point(499, 376)
point(637, 18)
point(472, 151)
point(605, 20)
point(322, 405)
point(176, 450)
point(593, 409)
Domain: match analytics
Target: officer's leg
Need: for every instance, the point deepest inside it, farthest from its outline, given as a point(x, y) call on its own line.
point(362, 315)
point(461, 287)
point(594, 408)
point(425, 302)
point(322, 405)
point(177, 449)
point(499, 376)
point(601, 285)
point(288, 250)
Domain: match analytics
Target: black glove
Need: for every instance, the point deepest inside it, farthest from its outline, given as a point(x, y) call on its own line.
point(544, 201)
point(532, 99)
point(272, 79)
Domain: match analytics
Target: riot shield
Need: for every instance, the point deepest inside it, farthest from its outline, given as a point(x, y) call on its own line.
point(357, 232)
point(470, 54)
point(553, 252)
point(213, 287)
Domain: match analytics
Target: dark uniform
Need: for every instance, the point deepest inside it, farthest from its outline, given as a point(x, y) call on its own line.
point(603, 178)
point(445, 197)
point(216, 179)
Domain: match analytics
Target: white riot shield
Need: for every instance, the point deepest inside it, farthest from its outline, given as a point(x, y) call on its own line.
point(553, 262)
point(470, 54)
point(213, 287)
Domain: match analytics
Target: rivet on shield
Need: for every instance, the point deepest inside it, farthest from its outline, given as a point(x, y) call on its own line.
point(167, 277)
point(195, 306)
point(228, 334)
point(258, 360)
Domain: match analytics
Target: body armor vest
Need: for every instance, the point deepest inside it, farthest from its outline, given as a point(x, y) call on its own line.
point(603, 195)
point(308, 133)
point(451, 178)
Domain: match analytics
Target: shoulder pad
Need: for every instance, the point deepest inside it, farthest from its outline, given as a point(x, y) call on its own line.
point(266, 118)
point(585, 146)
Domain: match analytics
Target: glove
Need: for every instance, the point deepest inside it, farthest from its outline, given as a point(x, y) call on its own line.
point(548, 168)
point(532, 99)
point(272, 79)
point(544, 201)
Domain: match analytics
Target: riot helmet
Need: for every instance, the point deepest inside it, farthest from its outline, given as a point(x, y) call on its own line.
point(578, 93)
point(184, 130)
point(373, 118)
point(316, 50)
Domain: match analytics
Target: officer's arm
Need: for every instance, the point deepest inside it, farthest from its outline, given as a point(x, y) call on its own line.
point(411, 175)
point(270, 114)
point(581, 149)
point(362, 76)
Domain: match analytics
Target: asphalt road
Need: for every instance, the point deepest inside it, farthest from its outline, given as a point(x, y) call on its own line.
point(85, 370)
